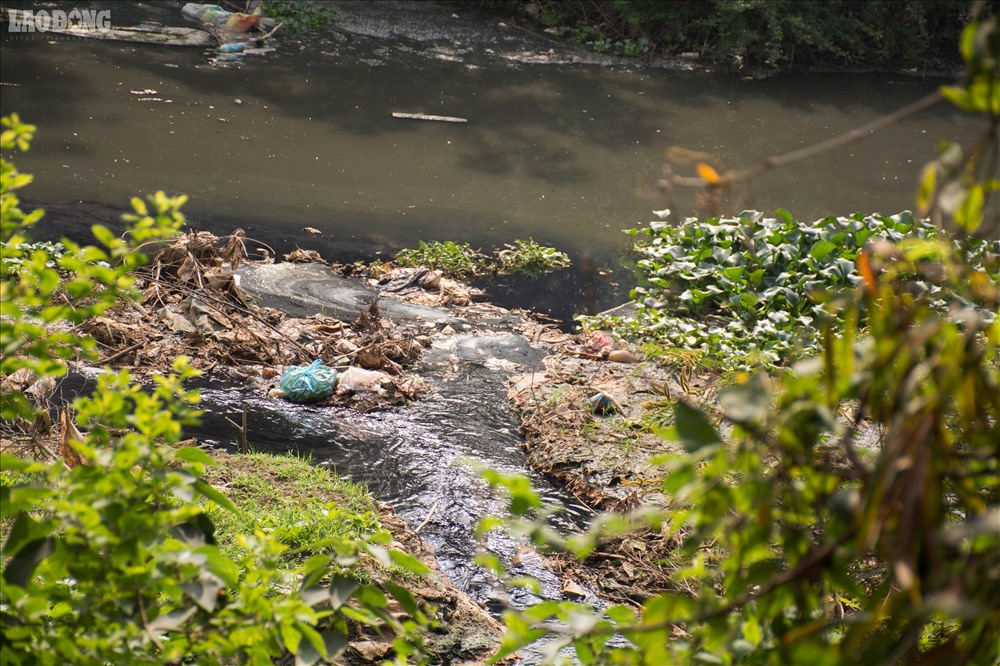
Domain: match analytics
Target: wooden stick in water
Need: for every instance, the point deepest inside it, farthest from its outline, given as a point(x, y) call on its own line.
point(424, 116)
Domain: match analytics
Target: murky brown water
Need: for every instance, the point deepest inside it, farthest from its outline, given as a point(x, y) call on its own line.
point(568, 154)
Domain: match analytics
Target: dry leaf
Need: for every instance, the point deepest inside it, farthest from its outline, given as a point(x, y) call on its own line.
point(236, 249)
point(69, 434)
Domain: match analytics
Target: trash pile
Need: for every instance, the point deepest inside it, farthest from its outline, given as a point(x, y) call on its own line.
point(235, 32)
point(589, 421)
point(191, 304)
point(419, 285)
point(231, 32)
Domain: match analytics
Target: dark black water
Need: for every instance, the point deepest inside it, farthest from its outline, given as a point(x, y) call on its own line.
point(422, 458)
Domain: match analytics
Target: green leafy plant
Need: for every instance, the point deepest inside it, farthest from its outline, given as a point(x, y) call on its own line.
point(633, 48)
point(529, 258)
point(459, 260)
point(455, 259)
point(300, 15)
point(751, 290)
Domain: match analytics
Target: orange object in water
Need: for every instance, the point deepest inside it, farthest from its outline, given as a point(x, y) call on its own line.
point(707, 173)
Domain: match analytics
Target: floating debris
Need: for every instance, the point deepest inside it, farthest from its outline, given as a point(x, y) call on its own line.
point(426, 116)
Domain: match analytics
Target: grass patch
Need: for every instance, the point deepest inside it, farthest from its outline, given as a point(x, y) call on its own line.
point(290, 498)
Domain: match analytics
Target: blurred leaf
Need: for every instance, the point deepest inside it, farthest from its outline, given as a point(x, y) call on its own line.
point(694, 430)
point(404, 597)
point(409, 562)
point(341, 589)
point(194, 455)
point(211, 493)
point(970, 213)
point(747, 403)
point(928, 185)
point(960, 97)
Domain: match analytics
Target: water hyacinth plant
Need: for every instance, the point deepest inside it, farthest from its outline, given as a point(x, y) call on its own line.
point(754, 290)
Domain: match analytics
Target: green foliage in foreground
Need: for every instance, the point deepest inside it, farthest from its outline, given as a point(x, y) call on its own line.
point(801, 545)
point(459, 260)
point(109, 554)
point(752, 290)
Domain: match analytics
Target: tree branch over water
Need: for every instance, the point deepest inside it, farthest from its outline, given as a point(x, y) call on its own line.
point(727, 179)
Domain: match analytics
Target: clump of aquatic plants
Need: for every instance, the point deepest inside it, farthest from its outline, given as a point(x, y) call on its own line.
point(300, 16)
point(529, 258)
point(454, 259)
point(754, 290)
point(459, 260)
point(12, 262)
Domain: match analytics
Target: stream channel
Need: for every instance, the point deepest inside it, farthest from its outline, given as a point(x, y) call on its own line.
point(562, 145)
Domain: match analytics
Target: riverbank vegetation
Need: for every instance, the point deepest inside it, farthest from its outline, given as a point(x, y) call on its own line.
point(781, 537)
point(300, 15)
point(459, 260)
point(754, 291)
point(920, 35)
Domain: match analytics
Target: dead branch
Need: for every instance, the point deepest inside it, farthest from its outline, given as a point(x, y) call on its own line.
point(856, 134)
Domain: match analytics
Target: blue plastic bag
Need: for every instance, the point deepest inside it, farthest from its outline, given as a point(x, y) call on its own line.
point(303, 384)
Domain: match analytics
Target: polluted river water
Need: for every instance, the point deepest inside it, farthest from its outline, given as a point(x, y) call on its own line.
point(569, 153)
point(566, 150)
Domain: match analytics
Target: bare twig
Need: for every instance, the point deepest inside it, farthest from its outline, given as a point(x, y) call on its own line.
point(145, 622)
point(785, 159)
point(241, 428)
point(428, 518)
point(123, 352)
point(427, 116)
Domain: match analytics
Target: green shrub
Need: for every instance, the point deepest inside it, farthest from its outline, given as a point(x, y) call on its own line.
point(793, 543)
